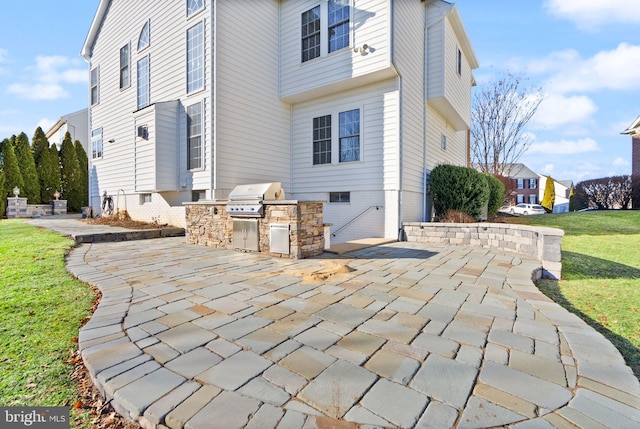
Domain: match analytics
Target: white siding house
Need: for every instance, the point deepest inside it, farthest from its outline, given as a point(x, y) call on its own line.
point(75, 124)
point(351, 102)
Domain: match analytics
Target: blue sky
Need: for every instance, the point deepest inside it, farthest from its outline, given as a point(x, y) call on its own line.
point(584, 54)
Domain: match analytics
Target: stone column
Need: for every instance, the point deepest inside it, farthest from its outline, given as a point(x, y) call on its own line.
point(16, 207)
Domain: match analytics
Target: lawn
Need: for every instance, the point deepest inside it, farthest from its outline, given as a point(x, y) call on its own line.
point(41, 311)
point(600, 273)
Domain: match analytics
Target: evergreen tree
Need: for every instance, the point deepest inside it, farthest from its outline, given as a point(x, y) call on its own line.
point(3, 200)
point(38, 145)
point(31, 186)
point(71, 179)
point(49, 173)
point(83, 162)
point(549, 195)
point(11, 169)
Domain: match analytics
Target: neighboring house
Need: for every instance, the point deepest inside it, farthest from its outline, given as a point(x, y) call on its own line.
point(525, 185)
point(563, 189)
point(190, 99)
point(634, 131)
point(77, 124)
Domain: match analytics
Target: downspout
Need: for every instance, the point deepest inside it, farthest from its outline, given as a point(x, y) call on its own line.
point(401, 234)
point(425, 95)
point(214, 104)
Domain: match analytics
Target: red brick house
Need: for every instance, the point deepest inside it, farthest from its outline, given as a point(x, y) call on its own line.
point(634, 131)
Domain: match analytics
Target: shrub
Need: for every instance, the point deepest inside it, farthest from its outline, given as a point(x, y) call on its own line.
point(456, 216)
point(496, 194)
point(458, 188)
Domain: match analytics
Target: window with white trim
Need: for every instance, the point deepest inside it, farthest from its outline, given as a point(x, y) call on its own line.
point(95, 86)
point(194, 6)
point(143, 82)
point(145, 198)
point(195, 58)
point(349, 135)
point(520, 183)
point(533, 199)
point(443, 142)
point(338, 24)
point(145, 36)
point(125, 74)
point(343, 140)
point(96, 143)
point(322, 140)
point(311, 34)
point(459, 61)
point(520, 199)
point(339, 197)
point(326, 28)
point(533, 183)
point(194, 136)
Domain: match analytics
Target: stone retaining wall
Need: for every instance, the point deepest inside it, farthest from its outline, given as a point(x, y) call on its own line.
point(208, 224)
point(541, 243)
point(18, 208)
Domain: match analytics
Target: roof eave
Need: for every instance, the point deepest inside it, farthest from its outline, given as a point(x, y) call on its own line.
point(87, 48)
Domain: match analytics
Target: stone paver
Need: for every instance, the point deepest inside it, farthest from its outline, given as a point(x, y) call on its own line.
point(418, 335)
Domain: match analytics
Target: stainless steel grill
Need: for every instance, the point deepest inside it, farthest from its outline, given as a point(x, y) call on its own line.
point(247, 200)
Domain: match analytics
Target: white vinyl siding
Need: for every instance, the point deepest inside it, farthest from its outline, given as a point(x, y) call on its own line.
point(343, 69)
point(195, 58)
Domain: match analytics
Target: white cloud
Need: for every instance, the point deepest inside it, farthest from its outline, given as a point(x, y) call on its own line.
point(3, 55)
point(558, 110)
point(547, 169)
point(565, 147)
point(49, 75)
point(45, 124)
point(620, 162)
point(38, 91)
point(594, 13)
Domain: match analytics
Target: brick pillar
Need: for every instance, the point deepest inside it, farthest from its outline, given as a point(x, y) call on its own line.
point(16, 207)
point(635, 172)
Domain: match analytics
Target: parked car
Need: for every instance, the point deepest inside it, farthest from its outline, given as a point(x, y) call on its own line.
point(527, 209)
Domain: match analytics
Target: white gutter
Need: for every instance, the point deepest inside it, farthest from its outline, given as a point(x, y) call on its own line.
point(87, 48)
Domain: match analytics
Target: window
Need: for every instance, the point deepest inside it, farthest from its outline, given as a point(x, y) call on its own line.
point(194, 6)
point(350, 135)
point(533, 183)
point(95, 86)
point(96, 143)
point(195, 58)
point(520, 183)
point(459, 61)
point(125, 77)
point(533, 199)
point(144, 38)
point(143, 82)
point(322, 140)
point(339, 197)
point(520, 199)
point(194, 136)
point(311, 34)
point(198, 195)
point(443, 142)
point(338, 24)
point(145, 198)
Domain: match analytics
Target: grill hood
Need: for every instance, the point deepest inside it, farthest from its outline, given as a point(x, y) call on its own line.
point(257, 192)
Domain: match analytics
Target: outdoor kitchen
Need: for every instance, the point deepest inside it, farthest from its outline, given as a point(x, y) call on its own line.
point(258, 218)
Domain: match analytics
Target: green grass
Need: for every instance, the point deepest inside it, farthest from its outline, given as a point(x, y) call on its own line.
point(600, 273)
point(41, 310)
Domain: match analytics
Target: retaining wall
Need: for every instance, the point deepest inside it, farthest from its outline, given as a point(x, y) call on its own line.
point(541, 243)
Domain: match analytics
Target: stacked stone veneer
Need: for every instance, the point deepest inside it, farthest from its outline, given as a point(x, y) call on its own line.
point(541, 243)
point(208, 224)
point(18, 208)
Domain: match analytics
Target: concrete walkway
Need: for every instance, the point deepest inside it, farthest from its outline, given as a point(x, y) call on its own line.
point(400, 335)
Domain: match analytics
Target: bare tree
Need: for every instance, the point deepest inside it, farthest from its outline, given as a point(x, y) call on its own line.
point(605, 193)
point(499, 116)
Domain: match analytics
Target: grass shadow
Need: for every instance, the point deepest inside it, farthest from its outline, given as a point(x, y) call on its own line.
point(628, 350)
point(580, 266)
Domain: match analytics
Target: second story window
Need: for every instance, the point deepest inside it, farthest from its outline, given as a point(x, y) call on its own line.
point(459, 61)
point(125, 75)
point(95, 86)
point(311, 34)
point(338, 24)
point(194, 6)
point(533, 183)
point(520, 183)
point(145, 37)
point(143, 82)
point(195, 58)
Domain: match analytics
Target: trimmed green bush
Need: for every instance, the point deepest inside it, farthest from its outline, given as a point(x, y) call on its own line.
point(496, 194)
point(31, 186)
point(458, 188)
point(71, 175)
